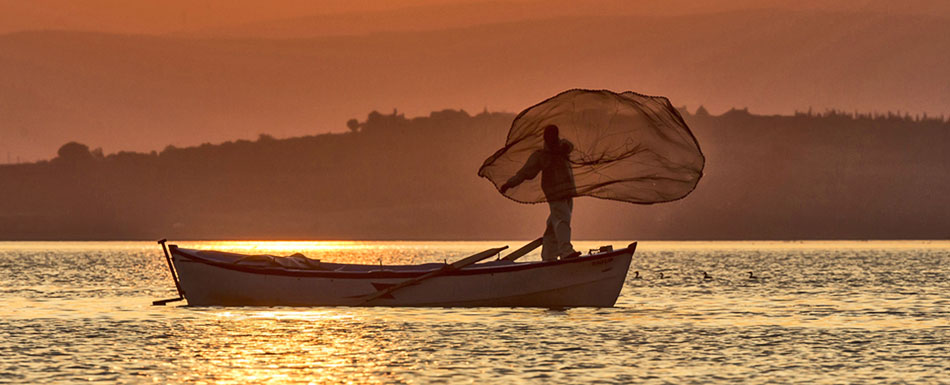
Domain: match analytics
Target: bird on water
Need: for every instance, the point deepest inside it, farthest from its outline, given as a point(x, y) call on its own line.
point(706, 277)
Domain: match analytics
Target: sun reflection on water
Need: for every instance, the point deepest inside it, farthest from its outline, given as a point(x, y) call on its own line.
point(820, 312)
point(282, 246)
point(271, 347)
point(366, 252)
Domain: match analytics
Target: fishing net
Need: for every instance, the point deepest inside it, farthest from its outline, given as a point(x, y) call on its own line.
point(626, 147)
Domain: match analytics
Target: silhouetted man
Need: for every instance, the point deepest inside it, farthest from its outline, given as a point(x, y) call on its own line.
point(557, 182)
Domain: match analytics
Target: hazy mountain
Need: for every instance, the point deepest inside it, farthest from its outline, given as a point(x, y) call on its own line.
point(140, 92)
point(450, 15)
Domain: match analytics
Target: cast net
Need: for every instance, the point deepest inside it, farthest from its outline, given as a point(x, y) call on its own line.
point(627, 147)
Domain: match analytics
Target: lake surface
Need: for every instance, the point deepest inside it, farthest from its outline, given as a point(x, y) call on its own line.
point(819, 312)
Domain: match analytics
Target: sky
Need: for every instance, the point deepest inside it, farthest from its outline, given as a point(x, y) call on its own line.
point(172, 16)
point(141, 75)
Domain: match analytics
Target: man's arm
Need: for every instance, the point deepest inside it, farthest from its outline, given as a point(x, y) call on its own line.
point(530, 170)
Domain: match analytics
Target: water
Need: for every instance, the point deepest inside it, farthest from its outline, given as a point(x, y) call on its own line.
point(820, 312)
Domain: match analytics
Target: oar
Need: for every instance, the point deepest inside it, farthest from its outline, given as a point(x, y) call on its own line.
point(445, 269)
point(523, 250)
point(171, 268)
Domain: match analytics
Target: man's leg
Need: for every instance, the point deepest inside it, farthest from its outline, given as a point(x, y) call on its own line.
point(549, 246)
point(561, 215)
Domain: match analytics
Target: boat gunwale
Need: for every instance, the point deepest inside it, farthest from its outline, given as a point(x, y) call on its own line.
point(378, 274)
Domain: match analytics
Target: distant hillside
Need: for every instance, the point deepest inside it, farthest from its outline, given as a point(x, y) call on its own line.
point(808, 176)
point(137, 92)
point(467, 13)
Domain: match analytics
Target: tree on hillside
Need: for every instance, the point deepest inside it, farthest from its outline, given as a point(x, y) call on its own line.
point(74, 152)
point(353, 125)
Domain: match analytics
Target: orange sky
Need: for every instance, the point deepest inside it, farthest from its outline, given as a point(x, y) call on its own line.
point(164, 75)
point(171, 16)
point(164, 16)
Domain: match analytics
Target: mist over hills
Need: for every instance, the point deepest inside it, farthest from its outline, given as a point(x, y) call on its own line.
point(461, 14)
point(808, 176)
point(305, 18)
point(137, 92)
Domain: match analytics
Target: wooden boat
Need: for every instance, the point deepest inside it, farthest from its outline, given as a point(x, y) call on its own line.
point(214, 278)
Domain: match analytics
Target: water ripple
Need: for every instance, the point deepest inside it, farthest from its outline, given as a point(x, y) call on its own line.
point(822, 312)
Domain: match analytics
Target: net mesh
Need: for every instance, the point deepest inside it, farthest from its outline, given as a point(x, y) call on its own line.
point(627, 147)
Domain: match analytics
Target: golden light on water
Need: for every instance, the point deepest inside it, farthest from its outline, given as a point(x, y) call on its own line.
point(820, 312)
point(366, 252)
point(282, 246)
point(282, 346)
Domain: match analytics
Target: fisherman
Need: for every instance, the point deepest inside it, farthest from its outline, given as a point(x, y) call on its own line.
point(557, 182)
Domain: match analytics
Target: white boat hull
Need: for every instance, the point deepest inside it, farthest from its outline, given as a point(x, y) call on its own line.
point(586, 281)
